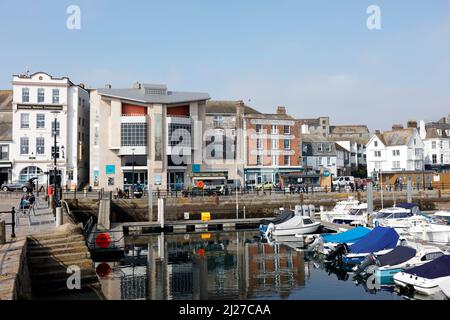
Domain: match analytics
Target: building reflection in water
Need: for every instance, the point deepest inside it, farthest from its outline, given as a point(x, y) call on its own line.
point(205, 266)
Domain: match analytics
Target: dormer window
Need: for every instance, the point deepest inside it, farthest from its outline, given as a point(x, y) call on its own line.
point(439, 131)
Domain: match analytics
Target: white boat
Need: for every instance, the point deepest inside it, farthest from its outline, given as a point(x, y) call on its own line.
point(426, 279)
point(356, 216)
point(342, 209)
point(444, 285)
point(437, 230)
point(399, 218)
point(397, 260)
point(294, 226)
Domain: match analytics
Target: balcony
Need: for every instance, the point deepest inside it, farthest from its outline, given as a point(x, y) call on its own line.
point(131, 118)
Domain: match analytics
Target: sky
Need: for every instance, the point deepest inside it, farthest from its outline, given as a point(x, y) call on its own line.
point(317, 58)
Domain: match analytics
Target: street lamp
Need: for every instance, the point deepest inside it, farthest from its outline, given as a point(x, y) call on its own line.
point(132, 173)
point(55, 193)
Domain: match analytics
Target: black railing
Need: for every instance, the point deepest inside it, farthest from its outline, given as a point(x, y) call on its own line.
point(13, 221)
point(231, 192)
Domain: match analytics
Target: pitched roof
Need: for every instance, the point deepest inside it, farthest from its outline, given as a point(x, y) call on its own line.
point(396, 137)
point(6, 97)
point(274, 116)
point(227, 107)
point(360, 140)
point(349, 129)
point(136, 94)
point(432, 133)
point(315, 138)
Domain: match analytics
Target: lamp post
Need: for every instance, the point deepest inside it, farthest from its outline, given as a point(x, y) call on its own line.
point(132, 173)
point(55, 193)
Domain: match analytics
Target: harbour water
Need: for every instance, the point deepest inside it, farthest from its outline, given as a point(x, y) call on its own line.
point(225, 265)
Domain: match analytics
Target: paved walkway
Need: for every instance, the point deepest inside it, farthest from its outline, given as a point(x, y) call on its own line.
point(39, 220)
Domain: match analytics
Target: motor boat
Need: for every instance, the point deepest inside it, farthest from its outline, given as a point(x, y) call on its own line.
point(342, 209)
point(427, 278)
point(398, 259)
point(283, 215)
point(399, 217)
point(437, 229)
point(328, 242)
point(380, 241)
point(294, 226)
point(349, 236)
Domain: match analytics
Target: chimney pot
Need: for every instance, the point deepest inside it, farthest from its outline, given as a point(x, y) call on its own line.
point(412, 124)
point(281, 110)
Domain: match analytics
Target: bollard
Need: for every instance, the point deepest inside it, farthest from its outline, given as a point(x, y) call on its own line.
point(85, 192)
point(2, 232)
point(59, 217)
point(13, 223)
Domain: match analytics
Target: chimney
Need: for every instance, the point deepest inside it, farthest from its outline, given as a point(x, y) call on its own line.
point(397, 127)
point(412, 124)
point(81, 85)
point(281, 110)
point(377, 132)
point(136, 85)
point(107, 86)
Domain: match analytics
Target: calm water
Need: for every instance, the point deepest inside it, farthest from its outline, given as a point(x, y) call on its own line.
point(232, 265)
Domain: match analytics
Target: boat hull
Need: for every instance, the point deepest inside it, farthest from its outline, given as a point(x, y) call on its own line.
point(421, 285)
point(311, 228)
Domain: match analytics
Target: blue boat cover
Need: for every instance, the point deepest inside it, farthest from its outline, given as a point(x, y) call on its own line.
point(407, 205)
point(349, 236)
point(378, 239)
point(396, 256)
point(437, 268)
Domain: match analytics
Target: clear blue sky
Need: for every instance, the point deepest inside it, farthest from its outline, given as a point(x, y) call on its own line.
point(315, 57)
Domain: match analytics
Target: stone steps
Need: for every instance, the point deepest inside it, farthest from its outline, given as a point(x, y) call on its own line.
point(55, 245)
point(49, 257)
point(59, 274)
point(45, 251)
point(42, 268)
point(69, 258)
point(56, 239)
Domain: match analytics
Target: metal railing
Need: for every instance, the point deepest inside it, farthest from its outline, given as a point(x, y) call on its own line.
point(296, 190)
point(13, 221)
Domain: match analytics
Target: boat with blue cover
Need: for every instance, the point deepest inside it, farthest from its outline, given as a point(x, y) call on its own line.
point(426, 279)
point(349, 236)
point(384, 267)
point(380, 241)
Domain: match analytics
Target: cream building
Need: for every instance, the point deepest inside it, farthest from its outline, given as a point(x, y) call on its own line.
point(147, 135)
point(37, 100)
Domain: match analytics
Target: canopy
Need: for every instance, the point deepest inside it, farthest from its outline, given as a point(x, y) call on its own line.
point(407, 205)
point(282, 217)
point(437, 268)
point(398, 255)
point(349, 236)
point(378, 239)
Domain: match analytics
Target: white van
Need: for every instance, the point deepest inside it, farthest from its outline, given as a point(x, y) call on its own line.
point(343, 181)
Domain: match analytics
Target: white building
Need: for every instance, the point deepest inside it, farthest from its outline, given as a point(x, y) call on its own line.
point(37, 100)
point(397, 150)
point(436, 137)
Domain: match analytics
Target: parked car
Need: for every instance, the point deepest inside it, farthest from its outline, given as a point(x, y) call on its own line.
point(265, 186)
point(343, 181)
point(195, 191)
point(22, 186)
